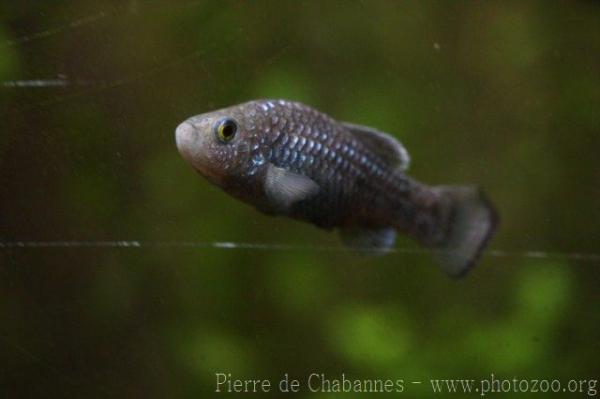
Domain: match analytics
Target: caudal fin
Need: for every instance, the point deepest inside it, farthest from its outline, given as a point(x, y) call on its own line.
point(472, 222)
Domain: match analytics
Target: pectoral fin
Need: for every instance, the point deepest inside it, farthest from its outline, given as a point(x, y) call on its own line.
point(284, 188)
point(374, 241)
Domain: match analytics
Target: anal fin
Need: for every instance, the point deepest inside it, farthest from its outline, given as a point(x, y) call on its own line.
point(373, 241)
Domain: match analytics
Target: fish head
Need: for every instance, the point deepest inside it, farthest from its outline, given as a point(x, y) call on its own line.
point(218, 144)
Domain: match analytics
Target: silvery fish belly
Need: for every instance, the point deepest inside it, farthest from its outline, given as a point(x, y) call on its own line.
point(286, 158)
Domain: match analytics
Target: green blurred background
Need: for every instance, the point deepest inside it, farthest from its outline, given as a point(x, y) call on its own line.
point(502, 94)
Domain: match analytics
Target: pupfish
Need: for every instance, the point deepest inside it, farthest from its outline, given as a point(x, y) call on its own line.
point(286, 158)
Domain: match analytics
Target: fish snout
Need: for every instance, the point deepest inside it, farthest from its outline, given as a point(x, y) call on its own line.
point(187, 139)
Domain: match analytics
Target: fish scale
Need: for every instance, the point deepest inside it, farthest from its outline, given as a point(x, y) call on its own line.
point(286, 158)
point(350, 161)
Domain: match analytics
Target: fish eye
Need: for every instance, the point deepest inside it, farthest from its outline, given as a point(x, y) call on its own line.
point(226, 129)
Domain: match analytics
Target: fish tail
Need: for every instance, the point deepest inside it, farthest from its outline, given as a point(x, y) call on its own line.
point(468, 220)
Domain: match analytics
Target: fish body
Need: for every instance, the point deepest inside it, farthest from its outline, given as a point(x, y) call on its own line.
point(286, 158)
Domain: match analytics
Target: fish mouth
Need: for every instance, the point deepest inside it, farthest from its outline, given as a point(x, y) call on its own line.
point(186, 138)
point(189, 143)
point(193, 148)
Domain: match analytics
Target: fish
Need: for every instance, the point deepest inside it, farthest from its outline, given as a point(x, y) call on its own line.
point(288, 159)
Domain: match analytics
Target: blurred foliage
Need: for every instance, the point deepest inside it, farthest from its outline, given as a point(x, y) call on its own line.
point(505, 95)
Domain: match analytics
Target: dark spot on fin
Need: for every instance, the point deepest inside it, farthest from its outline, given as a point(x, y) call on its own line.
point(373, 241)
point(387, 147)
point(284, 188)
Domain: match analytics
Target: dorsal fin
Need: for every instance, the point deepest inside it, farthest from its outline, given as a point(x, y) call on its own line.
point(384, 145)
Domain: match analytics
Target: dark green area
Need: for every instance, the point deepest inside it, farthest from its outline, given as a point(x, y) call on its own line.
point(501, 94)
